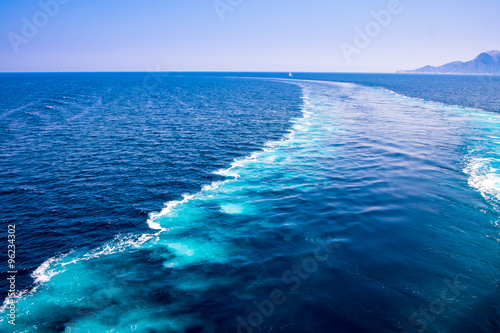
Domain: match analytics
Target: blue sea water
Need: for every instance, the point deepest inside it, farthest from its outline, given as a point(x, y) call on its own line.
point(253, 202)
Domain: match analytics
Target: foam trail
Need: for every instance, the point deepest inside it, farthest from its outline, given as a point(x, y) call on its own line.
point(231, 172)
point(56, 265)
point(202, 239)
point(482, 163)
point(484, 177)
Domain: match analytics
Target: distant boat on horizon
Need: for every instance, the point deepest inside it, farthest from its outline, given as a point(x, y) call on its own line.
point(290, 74)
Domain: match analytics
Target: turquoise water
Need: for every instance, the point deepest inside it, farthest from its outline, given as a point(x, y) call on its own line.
point(376, 212)
point(87, 156)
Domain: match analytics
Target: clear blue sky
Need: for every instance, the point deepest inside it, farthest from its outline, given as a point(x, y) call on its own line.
point(255, 35)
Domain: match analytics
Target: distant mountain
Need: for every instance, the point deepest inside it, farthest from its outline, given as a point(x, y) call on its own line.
point(485, 63)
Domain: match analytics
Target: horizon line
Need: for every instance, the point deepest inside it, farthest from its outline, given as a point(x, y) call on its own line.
point(238, 72)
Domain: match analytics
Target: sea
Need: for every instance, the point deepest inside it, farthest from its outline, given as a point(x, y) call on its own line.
point(249, 202)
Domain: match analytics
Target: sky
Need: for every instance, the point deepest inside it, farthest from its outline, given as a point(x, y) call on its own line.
point(243, 35)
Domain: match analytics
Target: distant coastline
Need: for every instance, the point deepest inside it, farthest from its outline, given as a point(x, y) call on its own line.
point(486, 63)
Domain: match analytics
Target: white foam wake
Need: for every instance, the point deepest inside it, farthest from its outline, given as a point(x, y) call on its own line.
point(55, 265)
point(232, 172)
point(484, 177)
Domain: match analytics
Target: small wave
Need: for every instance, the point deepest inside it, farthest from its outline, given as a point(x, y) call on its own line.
point(40, 275)
point(484, 177)
point(119, 244)
point(169, 206)
point(55, 265)
point(43, 274)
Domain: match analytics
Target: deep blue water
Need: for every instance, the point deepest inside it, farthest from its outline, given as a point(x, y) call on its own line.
point(95, 153)
point(207, 202)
